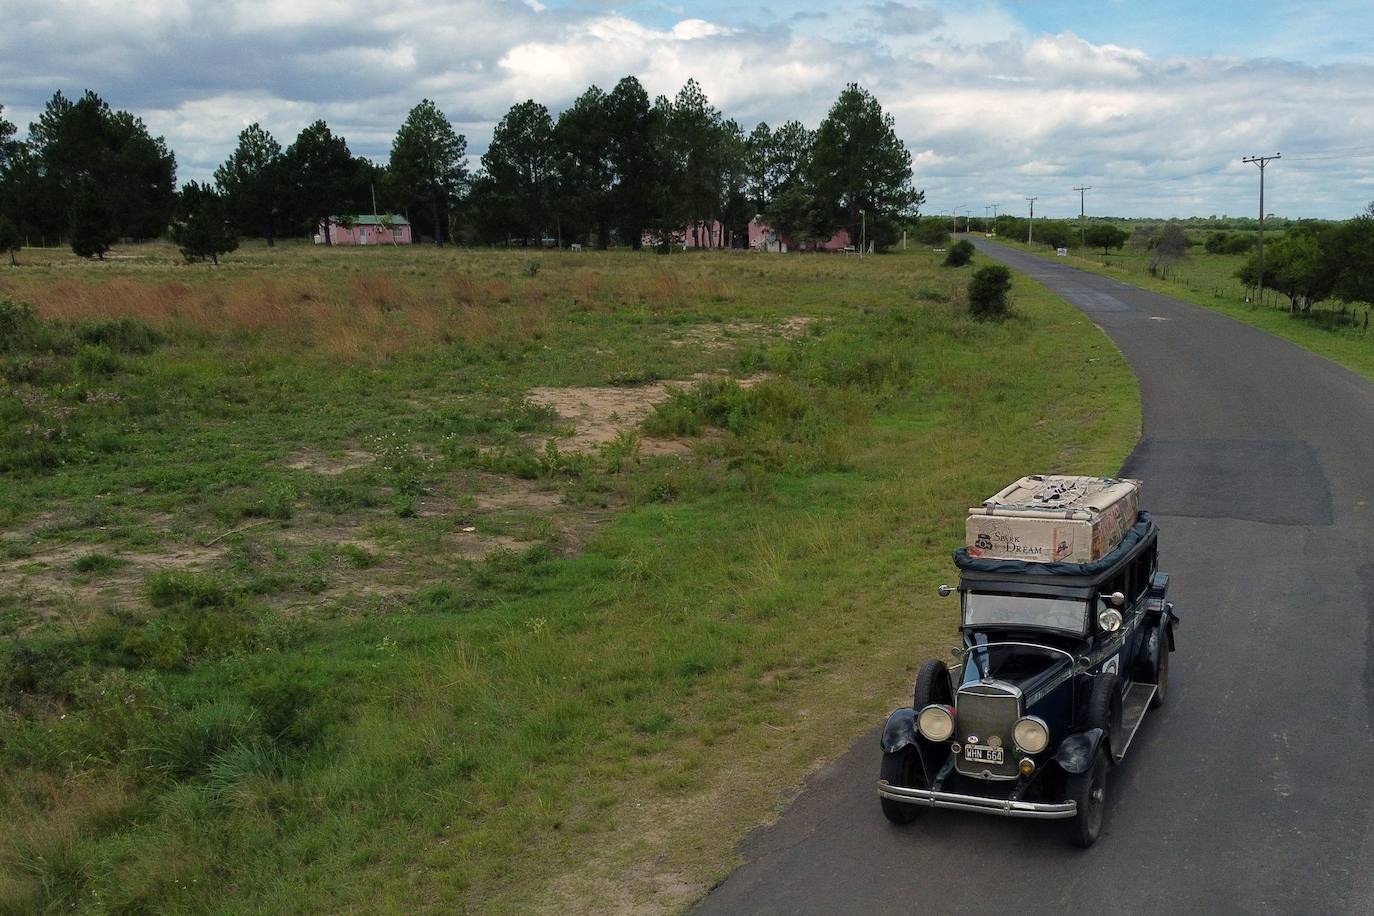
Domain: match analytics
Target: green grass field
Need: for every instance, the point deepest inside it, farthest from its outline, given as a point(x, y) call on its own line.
point(399, 579)
point(1210, 280)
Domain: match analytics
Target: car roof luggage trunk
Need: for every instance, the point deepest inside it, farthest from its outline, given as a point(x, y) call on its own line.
point(1054, 519)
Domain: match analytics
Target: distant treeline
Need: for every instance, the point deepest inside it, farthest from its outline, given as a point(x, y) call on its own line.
point(614, 167)
point(1308, 261)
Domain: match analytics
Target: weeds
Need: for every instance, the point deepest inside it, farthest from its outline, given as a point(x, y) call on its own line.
point(97, 563)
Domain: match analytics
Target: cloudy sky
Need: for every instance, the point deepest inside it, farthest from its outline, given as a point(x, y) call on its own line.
point(1152, 104)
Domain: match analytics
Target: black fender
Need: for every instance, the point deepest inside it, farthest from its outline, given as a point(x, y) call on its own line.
point(1170, 620)
point(899, 732)
point(1077, 752)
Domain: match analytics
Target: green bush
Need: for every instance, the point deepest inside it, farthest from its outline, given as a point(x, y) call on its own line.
point(181, 586)
point(96, 359)
point(20, 330)
point(959, 254)
point(987, 293)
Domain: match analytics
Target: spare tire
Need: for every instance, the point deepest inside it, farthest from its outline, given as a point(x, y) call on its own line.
point(1102, 707)
point(932, 686)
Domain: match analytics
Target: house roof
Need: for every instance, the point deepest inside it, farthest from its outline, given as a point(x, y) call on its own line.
point(371, 219)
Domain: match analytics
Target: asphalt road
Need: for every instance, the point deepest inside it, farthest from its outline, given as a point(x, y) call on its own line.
point(1252, 791)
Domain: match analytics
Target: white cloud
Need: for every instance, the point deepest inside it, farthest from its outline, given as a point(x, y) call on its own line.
point(991, 111)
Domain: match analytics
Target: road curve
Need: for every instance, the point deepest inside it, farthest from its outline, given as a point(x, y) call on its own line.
point(1252, 791)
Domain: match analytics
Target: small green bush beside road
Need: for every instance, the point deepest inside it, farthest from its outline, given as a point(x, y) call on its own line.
point(959, 254)
point(988, 291)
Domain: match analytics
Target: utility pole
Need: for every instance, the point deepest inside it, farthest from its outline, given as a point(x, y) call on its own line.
point(1261, 161)
point(1082, 233)
point(863, 232)
point(1030, 227)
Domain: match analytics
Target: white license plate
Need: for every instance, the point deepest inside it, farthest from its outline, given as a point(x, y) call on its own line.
point(981, 753)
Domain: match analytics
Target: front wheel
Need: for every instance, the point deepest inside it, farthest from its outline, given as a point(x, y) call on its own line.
point(901, 768)
point(1089, 792)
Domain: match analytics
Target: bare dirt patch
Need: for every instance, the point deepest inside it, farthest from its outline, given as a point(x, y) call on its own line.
point(50, 585)
point(330, 465)
point(495, 493)
point(599, 415)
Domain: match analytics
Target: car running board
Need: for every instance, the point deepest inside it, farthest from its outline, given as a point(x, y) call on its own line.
point(1133, 708)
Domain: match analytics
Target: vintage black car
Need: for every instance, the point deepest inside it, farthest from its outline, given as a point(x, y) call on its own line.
point(1059, 664)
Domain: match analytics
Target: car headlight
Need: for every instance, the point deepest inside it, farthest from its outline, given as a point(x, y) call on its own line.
point(936, 723)
point(1031, 734)
point(1109, 620)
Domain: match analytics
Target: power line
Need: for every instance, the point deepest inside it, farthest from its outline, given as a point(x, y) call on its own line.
point(1369, 152)
point(1335, 149)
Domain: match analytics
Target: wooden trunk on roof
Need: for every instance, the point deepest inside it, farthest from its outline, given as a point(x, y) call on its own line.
point(1054, 519)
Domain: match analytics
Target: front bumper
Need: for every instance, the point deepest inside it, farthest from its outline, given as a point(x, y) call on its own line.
point(1007, 807)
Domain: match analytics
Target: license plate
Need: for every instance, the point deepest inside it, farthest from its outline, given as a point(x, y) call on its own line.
point(981, 753)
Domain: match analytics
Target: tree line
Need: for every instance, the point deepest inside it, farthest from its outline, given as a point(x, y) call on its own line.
point(617, 165)
point(613, 168)
point(1315, 261)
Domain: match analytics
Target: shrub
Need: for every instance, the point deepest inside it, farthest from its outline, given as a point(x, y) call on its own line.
point(987, 293)
point(96, 359)
point(93, 563)
point(181, 586)
point(19, 327)
point(960, 253)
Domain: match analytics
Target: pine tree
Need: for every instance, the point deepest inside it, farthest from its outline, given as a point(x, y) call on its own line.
point(201, 228)
point(427, 163)
point(252, 182)
point(91, 226)
point(519, 169)
point(859, 164)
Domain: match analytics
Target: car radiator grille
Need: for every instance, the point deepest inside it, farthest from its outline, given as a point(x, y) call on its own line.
point(987, 711)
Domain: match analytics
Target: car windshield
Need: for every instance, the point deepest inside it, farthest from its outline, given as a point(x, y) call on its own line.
point(1009, 661)
point(1069, 615)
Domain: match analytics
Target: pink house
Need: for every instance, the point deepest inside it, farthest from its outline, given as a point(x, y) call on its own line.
point(365, 229)
point(762, 237)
